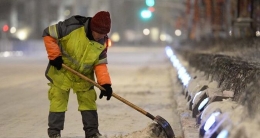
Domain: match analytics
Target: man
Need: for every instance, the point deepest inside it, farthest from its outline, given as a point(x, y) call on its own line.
point(78, 42)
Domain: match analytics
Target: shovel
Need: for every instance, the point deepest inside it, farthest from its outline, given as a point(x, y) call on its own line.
point(161, 121)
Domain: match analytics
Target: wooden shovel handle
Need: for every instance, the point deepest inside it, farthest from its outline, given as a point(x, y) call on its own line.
point(113, 94)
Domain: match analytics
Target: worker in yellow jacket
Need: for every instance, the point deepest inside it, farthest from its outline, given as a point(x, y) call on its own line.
point(80, 43)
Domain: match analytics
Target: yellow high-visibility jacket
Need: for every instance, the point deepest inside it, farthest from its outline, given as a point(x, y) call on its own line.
point(72, 39)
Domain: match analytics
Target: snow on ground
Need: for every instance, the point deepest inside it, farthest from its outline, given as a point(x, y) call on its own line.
point(151, 131)
point(142, 75)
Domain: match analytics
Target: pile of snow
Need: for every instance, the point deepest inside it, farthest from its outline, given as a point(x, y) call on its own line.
point(151, 131)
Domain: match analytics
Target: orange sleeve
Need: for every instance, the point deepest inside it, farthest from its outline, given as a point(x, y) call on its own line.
point(52, 47)
point(102, 74)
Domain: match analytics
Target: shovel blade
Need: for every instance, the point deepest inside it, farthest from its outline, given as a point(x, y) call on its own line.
point(165, 125)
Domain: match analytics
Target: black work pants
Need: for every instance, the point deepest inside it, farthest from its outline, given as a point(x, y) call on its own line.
point(89, 119)
point(55, 122)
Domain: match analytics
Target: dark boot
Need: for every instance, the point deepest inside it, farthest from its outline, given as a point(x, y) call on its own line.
point(55, 136)
point(97, 135)
point(90, 122)
point(56, 123)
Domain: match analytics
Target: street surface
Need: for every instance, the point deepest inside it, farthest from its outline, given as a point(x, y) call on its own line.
point(142, 75)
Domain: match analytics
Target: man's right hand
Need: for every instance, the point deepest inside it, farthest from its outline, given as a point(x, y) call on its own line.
point(57, 62)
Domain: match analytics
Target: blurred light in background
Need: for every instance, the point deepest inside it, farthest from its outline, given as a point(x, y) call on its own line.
point(163, 37)
point(151, 9)
point(154, 34)
point(12, 30)
point(22, 34)
point(5, 54)
point(230, 33)
point(5, 28)
point(109, 43)
point(166, 37)
point(257, 33)
point(11, 53)
point(178, 32)
point(115, 37)
point(149, 3)
point(146, 14)
point(146, 31)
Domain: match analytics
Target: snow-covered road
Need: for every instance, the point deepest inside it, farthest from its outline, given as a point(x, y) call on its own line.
point(142, 75)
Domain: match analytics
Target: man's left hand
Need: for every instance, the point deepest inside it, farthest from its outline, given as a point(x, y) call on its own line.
point(108, 92)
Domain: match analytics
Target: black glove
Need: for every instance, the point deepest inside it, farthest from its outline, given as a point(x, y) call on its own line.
point(107, 92)
point(57, 62)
